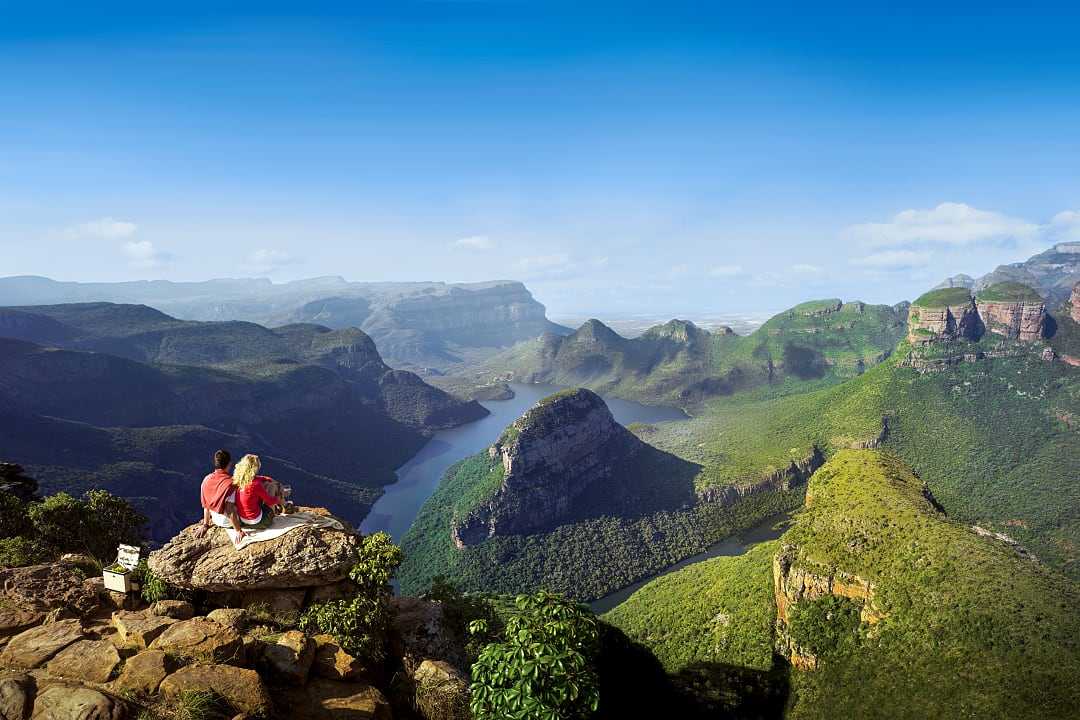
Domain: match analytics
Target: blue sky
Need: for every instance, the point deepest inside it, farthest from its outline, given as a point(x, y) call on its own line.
point(670, 158)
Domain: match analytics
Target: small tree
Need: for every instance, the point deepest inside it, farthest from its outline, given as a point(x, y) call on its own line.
point(360, 623)
point(543, 668)
point(14, 520)
point(94, 525)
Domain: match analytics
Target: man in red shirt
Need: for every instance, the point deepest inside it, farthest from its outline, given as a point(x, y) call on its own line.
point(218, 498)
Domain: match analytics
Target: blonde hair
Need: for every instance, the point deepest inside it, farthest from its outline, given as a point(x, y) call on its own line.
point(245, 471)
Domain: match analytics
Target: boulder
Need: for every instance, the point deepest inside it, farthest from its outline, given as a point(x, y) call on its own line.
point(136, 630)
point(28, 594)
point(242, 689)
point(63, 701)
point(232, 618)
point(442, 691)
point(202, 640)
point(144, 672)
point(175, 609)
point(90, 660)
point(16, 696)
point(420, 631)
point(287, 660)
point(338, 591)
point(333, 663)
point(31, 648)
point(330, 700)
point(305, 557)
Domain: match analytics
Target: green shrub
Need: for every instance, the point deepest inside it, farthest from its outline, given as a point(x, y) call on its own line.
point(544, 666)
point(360, 623)
point(20, 551)
point(826, 626)
point(95, 525)
point(13, 518)
point(153, 587)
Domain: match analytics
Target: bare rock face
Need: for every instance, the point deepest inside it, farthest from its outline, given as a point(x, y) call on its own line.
point(334, 663)
point(1023, 321)
point(442, 691)
point(202, 640)
point(420, 631)
point(36, 646)
point(288, 659)
point(144, 672)
point(330, 700)
point(16, 696)
point(242, 689)
point(304, 557)
point(1074, 303)
point(62, 701)
point(136, 630)
point(28, 594)
point(548, 458)
point(89, 660)
point(954, 321)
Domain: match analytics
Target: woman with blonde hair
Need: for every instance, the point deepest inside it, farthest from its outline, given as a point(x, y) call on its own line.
point(256, 495)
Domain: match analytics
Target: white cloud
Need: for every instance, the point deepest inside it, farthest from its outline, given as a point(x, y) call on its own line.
point(726, 270)
point(142, 254)
point(474, 242)
point(805, 269)
point(893, 260)
point(265, 260)
point(106, 228)
point(553, 264)
point(1064, 227)
point(948, 224)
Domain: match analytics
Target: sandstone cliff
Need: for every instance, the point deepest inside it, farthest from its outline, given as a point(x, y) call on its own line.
point(946, 314)
point(1009, 309)
point(1074, 303)
point(547, 459)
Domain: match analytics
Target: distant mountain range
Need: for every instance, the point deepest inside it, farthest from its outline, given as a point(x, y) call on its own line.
point(1053, 273)
point(127, 398)
point(822, 341)
point(424, 326)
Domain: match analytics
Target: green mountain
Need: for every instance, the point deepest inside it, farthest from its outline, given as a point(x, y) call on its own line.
point(129, 399)
point(883, 606)
point(816, 343)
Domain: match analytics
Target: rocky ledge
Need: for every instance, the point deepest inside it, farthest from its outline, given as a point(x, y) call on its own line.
point(302, 558)
point(72, 650)
point(548, 458)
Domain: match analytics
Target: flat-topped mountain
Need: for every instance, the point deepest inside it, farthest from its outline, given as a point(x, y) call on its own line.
point(1008, 309)
point(417, 325)
point(680, 363)
point(130, 399)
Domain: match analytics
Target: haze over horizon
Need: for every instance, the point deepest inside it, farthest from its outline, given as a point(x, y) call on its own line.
point(617, 159)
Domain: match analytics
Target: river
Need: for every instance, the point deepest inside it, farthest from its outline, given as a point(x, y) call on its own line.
point(417, 479)
point(769, 529)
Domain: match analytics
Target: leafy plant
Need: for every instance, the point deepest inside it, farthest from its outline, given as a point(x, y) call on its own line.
point(21, 551)
point(152, 587)
point(95, 525)
point(360, 623)
point(543, 667)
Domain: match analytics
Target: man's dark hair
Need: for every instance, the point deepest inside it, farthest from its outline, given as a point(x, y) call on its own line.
point(222, 458)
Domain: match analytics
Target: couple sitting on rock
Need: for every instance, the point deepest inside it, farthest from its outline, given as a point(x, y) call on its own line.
point(242, 500)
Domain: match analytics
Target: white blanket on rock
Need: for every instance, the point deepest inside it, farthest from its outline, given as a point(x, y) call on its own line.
point(281, 525)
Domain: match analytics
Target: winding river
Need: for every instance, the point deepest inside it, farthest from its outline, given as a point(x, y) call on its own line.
point(417, 479)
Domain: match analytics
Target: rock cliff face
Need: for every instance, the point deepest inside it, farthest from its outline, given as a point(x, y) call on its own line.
point(548, 458)
point(795, 582)
point(951, 321)
point(1023, 321)
point(1074, 303)
point(1052, 272)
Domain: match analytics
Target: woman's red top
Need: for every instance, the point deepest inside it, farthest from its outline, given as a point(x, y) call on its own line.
point(249, 500)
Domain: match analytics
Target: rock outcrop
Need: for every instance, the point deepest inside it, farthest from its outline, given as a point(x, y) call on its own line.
point(546, 459)
point(14, 482)
point(943, 315)
point(29, 594)
point(1021, 321)
point(304, 557)
point(1074, 303)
